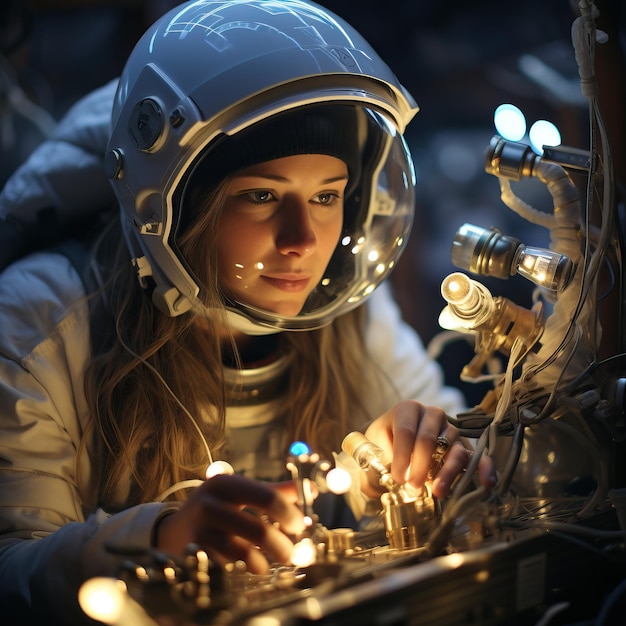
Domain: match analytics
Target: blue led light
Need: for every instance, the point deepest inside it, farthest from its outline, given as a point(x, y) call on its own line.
point(543, 133)
point(299, 447)
point(509, 122)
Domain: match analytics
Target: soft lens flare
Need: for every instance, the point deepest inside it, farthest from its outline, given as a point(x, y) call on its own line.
point(303, 553)
point(219, 467)
point(102, 599)
point(338, 480)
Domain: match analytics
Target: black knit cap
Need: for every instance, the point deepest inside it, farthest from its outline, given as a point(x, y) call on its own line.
point(312, 129)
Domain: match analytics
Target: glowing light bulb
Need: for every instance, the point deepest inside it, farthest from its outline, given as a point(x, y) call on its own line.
point(509, 122)
point(543, 133)
point(299, 447)
point(102, 599)
point(219, 467)
point(456, 289)
point(470, 303)
point(466, 295)
point(107, 600)
point(338, 480)
point(488, 252)
point(304, 553)
point(545, 268)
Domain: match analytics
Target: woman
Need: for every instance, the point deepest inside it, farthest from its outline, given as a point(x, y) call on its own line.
point(233, 306)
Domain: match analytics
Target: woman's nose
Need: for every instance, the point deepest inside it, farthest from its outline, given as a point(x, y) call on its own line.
point(295, 234)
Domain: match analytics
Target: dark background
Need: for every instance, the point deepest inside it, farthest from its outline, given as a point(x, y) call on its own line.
point(460, 60)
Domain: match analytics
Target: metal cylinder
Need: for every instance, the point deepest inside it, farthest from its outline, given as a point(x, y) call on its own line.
point(401, 523)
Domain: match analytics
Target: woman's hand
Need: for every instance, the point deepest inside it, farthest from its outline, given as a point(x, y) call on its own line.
point(235, 518)
point(408, 435)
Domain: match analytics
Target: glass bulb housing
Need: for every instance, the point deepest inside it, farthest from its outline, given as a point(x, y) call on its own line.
point(487, 252)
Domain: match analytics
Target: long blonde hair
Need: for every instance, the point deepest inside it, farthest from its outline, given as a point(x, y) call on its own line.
point(147, 367)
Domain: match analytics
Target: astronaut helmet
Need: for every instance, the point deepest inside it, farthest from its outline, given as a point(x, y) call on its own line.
point(216, 86)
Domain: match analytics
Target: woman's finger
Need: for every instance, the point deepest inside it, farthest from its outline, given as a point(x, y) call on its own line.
point(457, 460)
point(260, 496)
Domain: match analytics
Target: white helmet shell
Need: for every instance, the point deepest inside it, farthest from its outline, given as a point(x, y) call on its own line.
point(212, 68)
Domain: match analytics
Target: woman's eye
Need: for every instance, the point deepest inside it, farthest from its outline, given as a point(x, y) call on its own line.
point(259, 197)
point(327, 198)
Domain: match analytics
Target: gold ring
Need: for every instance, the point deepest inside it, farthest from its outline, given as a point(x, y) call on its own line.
point(443, 445)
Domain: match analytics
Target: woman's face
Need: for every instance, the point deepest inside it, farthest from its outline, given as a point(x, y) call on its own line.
point(279, 228)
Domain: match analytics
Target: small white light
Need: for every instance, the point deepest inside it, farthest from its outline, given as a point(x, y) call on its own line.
point(303, 553)
point(456, 288)
point(338, 480)
point(469, 302)
point(509, 122)
point(543, 133)
point(219, 467)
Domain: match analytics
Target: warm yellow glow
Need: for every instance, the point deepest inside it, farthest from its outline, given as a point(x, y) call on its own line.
point(313, 608)
point(455, 560)
point(102, 599)
point(303, 553)
point(107, 600)
point(338, 480)
point(140, 573)
point(455, 287)
point(482, 576)
point(169, 573)
point(219, 467)
point(267, 620)
point(372, 256)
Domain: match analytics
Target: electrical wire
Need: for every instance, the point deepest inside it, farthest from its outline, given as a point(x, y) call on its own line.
point(185, 483)
point(546, 618)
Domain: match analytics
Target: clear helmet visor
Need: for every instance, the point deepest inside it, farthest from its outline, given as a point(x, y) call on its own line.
point(378, 210)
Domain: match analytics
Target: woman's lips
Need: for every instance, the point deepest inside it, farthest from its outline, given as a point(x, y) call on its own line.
point(292, 284)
